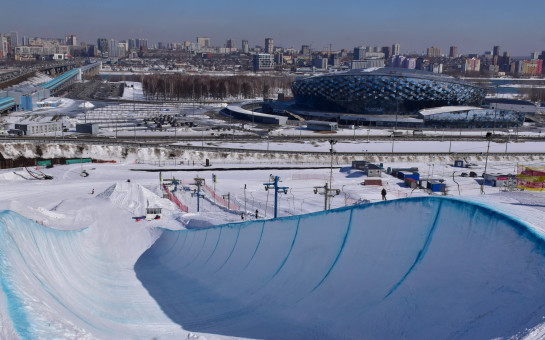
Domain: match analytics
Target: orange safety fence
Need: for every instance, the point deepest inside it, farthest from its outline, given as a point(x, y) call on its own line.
point(175, 200)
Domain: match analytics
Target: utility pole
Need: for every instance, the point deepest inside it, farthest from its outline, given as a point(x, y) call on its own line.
point(198, 182)
point(274, 185)
point(327, 192)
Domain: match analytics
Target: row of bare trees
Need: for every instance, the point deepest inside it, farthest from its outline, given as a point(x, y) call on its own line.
point(198, 87)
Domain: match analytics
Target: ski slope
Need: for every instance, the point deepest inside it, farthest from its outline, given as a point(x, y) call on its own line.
point(420, 268)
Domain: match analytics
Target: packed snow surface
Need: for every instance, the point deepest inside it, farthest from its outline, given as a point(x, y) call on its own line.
point(418, 268)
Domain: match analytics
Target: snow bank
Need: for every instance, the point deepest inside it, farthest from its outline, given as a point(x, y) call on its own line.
point(423, 268)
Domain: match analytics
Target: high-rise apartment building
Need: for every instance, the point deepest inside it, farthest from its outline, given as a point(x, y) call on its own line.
point(263, 61)
point(4, 50)
point(122, 49)
point(387, 50)
point(142, 44)
point(102, 45)
point(305, 49)
point(229, 43)
point(433, 52)
point(203, 41)
point(14, 37)
point(245, 47)
point(25, 41)
point(70, 40)
point(359, 53)
point(113, 48)
point(453, 53)
point(269, 45)
point(132, 44)
point(496, 51)
point(396, 49)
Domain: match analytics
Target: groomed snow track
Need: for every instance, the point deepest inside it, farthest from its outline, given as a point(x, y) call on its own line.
point(419, 268)
point(422, 268)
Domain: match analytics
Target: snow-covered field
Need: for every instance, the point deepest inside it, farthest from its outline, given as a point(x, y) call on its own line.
point(79, 261)
point(76, 263)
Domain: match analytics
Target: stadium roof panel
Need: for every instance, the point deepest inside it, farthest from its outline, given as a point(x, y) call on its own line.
point(445, 109)
point(396, 72)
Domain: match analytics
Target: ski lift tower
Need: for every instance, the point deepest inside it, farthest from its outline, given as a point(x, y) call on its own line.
point(274, 185)
point(198, 182)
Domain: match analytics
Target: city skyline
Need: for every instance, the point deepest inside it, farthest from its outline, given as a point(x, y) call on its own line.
point(290, 24)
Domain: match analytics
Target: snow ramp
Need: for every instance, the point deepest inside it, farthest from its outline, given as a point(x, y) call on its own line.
point(419, 268)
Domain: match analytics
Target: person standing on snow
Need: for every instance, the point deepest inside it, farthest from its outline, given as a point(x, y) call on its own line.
point(383, 193)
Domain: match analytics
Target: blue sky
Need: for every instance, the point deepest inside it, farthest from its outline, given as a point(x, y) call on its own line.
point(474, 26)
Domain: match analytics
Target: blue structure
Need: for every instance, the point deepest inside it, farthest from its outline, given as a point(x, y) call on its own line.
point(274, 185)
point(384, 91)
point(56, 83)
point(7, 103)
point(404, 175)
point(436, 186)
point(458, 164)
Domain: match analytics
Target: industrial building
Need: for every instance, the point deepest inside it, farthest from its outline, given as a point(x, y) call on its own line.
point(31, 129)
point(370, 169)
point(90, 128)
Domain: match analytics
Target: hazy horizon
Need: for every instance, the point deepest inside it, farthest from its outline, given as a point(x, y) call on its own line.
point(473, 27)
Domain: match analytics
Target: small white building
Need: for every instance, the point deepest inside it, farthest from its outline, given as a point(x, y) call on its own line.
point(153, 214)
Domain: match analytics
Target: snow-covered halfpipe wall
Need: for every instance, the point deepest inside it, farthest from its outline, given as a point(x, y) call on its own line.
point(423, 268)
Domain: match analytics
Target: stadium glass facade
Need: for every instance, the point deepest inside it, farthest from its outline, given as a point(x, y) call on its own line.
point(384, 91)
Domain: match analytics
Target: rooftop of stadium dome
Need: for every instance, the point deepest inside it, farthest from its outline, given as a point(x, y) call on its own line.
point(397, 72)
point(445, 109)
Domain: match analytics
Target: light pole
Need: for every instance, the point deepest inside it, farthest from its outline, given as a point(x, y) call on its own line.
point(331, 151)
point(488, 137)
point(274, 185)
point(327, 192)
point(198, 182)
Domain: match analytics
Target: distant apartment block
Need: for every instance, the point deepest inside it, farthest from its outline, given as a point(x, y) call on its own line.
point(203, 41)
point(471, 65)
point(269, 45)
point(263, 61)
point(453, 52)
point(433, 52)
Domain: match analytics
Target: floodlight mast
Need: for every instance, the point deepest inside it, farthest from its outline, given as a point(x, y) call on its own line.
point(489, 138)
point(274, 185)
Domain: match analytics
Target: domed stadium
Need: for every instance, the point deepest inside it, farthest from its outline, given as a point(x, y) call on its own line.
point(384, 91)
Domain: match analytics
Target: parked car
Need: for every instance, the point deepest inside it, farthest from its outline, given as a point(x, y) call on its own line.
point(464, 174)
point(472, 174)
